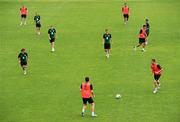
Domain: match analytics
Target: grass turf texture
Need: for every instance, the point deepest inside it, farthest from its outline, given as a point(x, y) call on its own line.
point(50, 91)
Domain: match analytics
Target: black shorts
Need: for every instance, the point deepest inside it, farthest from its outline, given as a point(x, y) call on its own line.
point(23, 63)
point(156, 77)
point(38, 25)
point(126, 16)
point(23, 16)
point(87, 100)
point(52, 40)
point(142, 40)
point(107, 46)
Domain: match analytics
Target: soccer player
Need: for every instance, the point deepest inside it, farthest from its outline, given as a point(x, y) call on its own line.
point(52, 36)
point(147, 26)
point(156, 70)
point(142, 38)
point(23, 59)
point(125, 11)
point(23, 12)
point(107, 39)
point(37, 19)
point(86, 90)
point(147, 29)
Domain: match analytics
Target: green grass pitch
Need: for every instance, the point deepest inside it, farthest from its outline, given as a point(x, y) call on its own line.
point(50, 90)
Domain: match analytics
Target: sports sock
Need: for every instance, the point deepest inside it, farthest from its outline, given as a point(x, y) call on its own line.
point(143, 50)
point(25, 72)
point(83, 110)
point(92, 113)
point(108, 55)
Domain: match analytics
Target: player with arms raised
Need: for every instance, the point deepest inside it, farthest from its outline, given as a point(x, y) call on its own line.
point(23, 59)
point(86, 90)
point(23, 12)
point(52, 36)
point(156, 70)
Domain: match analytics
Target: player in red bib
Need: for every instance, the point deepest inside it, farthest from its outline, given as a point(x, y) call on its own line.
point(23, 12)
point(142, 38)
point(156, 70)
point(86, 90)
point(125, 11)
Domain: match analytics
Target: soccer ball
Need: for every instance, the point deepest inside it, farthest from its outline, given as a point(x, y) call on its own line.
point(118, 96)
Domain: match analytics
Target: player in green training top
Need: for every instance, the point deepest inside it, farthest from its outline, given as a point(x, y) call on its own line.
point(52, 36)
point(37, 19)
point(107, 39)
point(23, 59)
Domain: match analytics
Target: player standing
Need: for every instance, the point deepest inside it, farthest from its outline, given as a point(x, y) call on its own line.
point(37, 19)
point(23, 12)
point(86, 90)
point(107, 39)
point(147, 29)
point(125, 11)
point(156, 70)
point(147, 26)
point(23, 59)
point(142, 38)
point(52, 36)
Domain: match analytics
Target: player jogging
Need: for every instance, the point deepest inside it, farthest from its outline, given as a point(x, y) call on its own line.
point(37, 19)
point(23, 12)
point(147, 29)
point(125, 11)
point(86, 90)
point(52, 36)
point(107, 39)
point(156, 70)
point(23, 59)
point(142, 38)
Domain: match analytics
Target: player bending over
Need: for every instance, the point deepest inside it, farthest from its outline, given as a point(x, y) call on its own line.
point(125, 11)
point(147, 29)
point(23, 12)
point(23, 59)
point(107, 39)
point(156, 70)
point(52, 36)
point(37, 19)
point(86, 90)
point(142, 38)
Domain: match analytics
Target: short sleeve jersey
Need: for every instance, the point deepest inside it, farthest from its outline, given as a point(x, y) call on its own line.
point(52, 32)
point(23, 57)
point(155, 69)
point(107, 38)
point(37, 19)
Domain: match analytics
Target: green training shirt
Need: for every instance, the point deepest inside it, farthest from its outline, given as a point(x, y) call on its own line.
point(52, 33)
point(23, 57)
point(37, 19)
point(107, 38)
